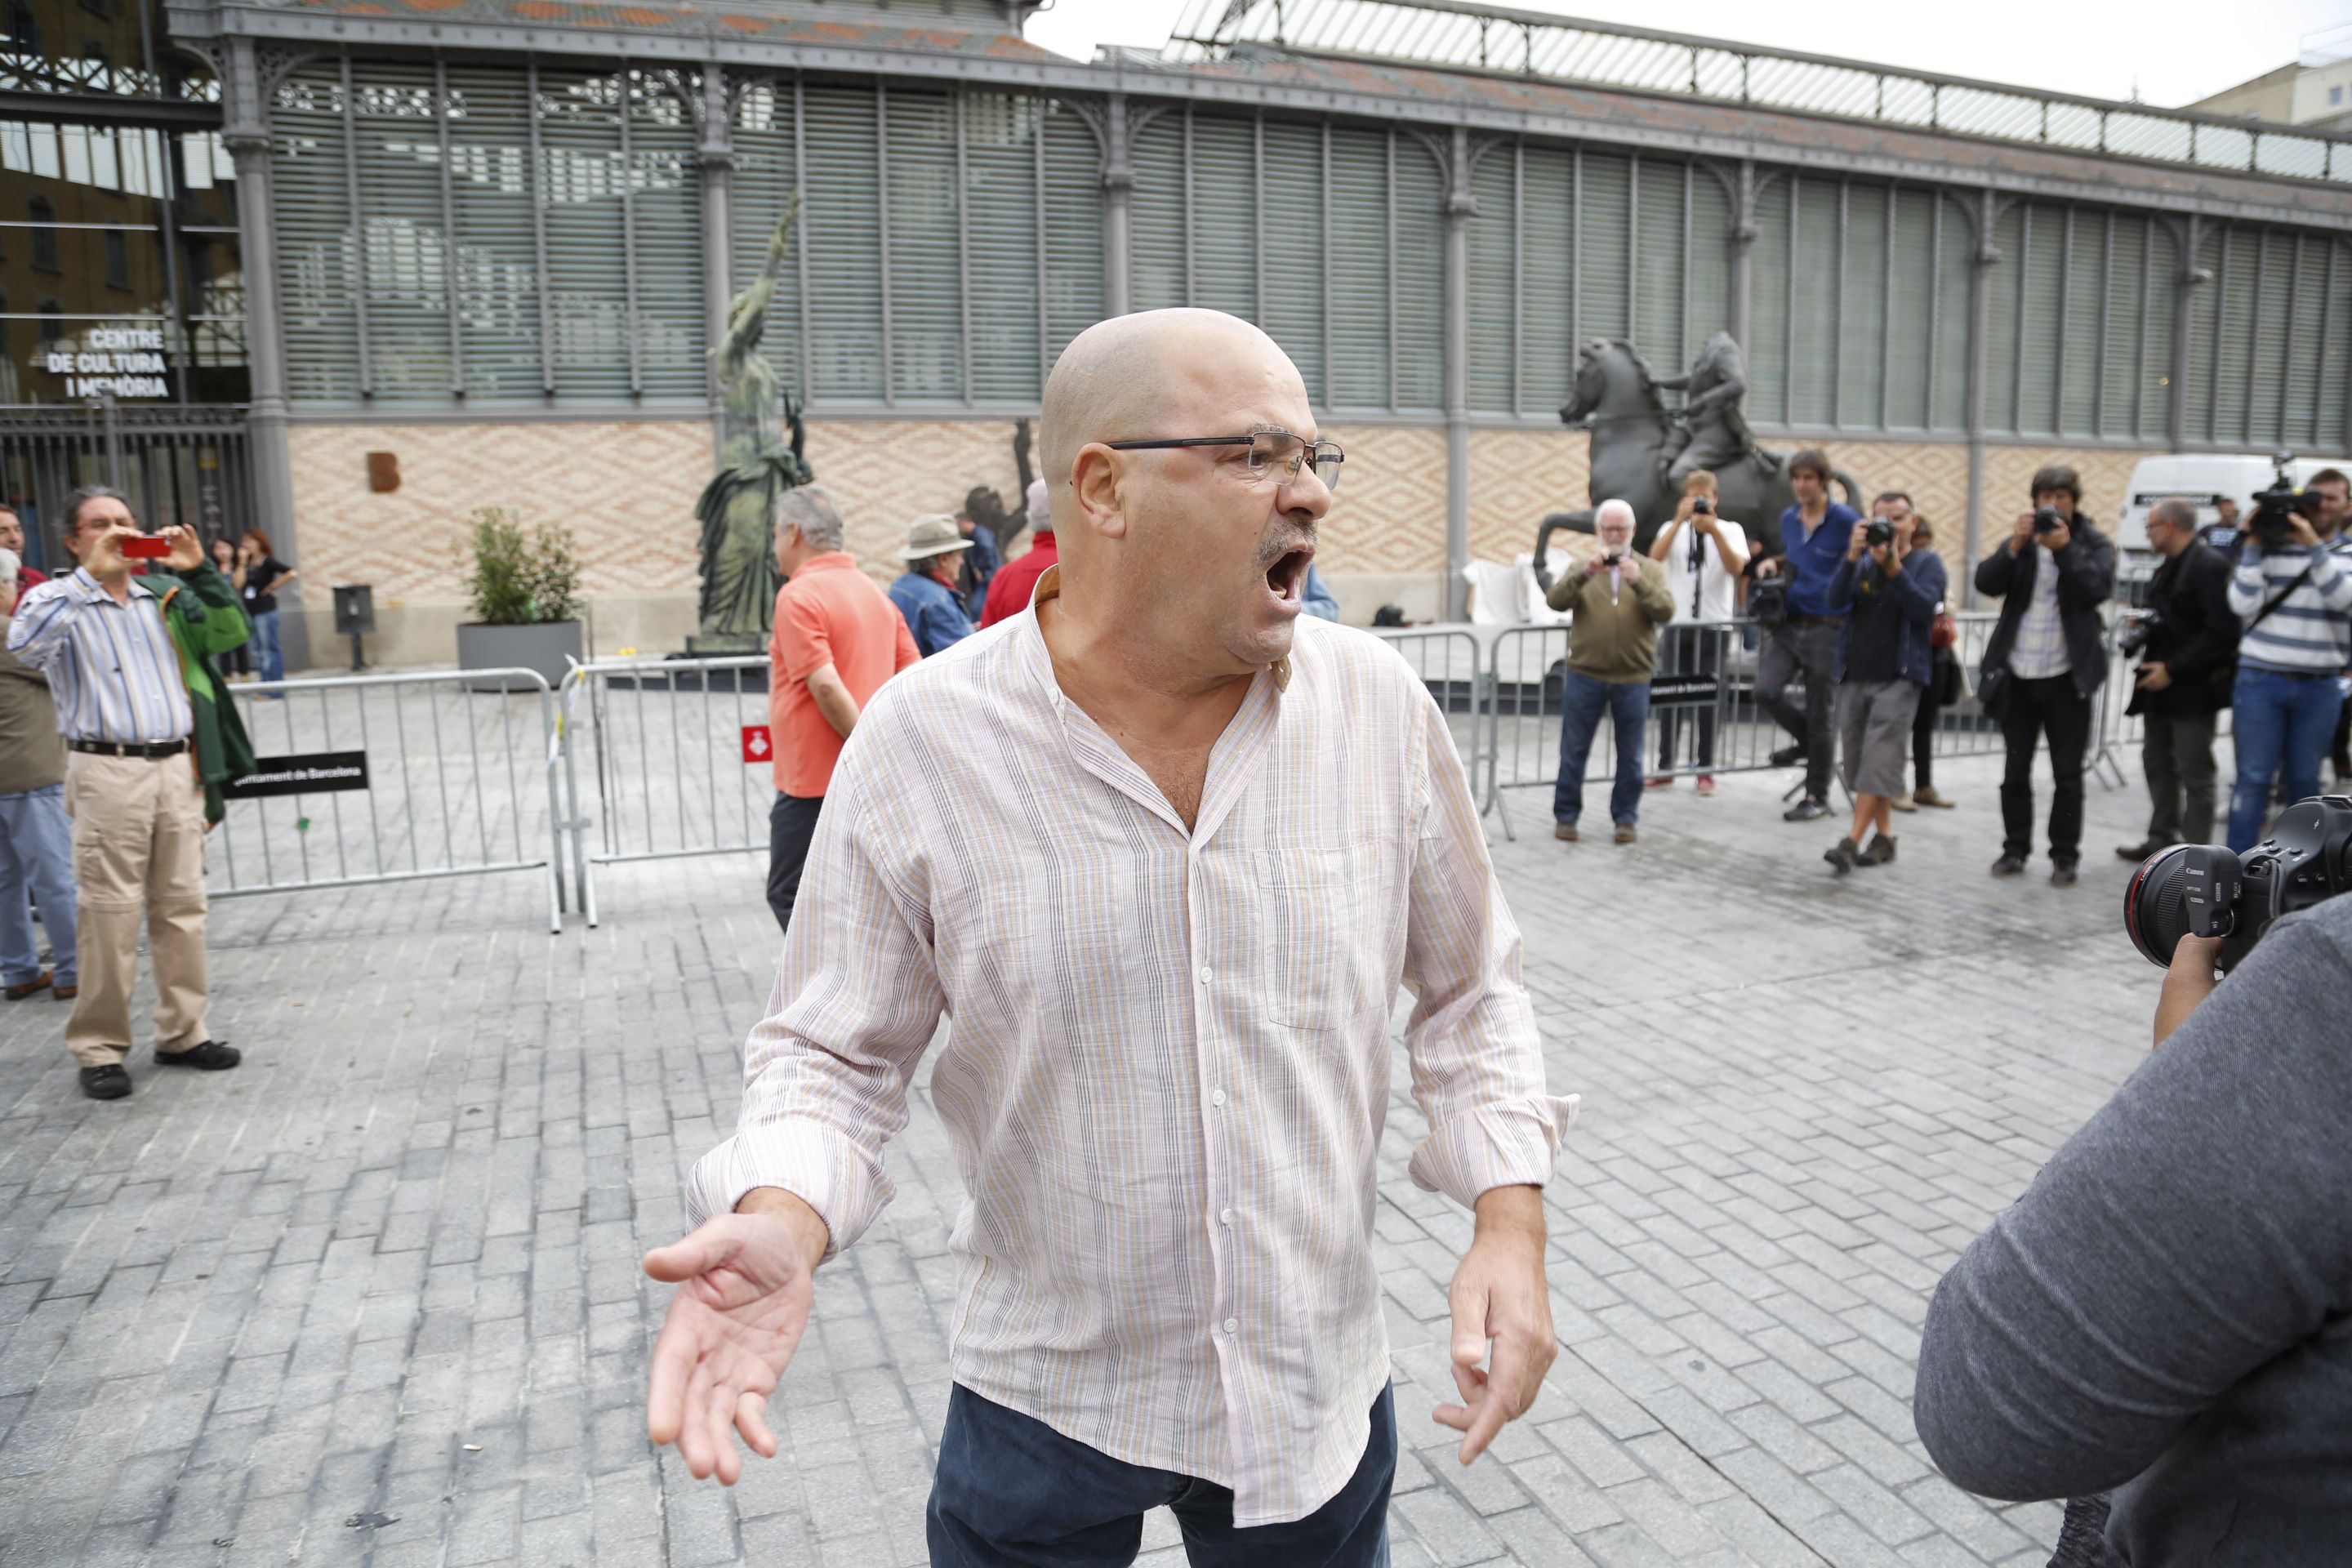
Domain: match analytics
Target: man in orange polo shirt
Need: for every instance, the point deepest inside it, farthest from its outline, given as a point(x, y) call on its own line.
point(838, 637)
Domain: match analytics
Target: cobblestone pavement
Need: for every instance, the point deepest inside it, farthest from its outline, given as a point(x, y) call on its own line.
point(374, 1298)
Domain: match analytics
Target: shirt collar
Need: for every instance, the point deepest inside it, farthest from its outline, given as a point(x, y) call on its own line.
point(92, 588)
point(1049, 586)
point(831, 561)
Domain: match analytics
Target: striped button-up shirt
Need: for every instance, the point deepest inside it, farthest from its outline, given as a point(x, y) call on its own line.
point(112, 668)
point(2040, 651)
point(1168, 1065)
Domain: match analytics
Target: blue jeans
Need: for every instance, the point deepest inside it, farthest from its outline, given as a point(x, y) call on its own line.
point(1011, 1492)
point(265, 651)
point(1583, 700)
point(2281, 720)
point(37, 855)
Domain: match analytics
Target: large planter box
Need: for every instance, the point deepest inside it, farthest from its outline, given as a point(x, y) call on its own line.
point(545, 649)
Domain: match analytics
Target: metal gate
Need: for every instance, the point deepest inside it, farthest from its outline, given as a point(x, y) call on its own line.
point(179, 463)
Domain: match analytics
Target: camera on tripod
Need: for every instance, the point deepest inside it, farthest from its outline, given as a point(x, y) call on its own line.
point(2276, 508)
point(2203, 889)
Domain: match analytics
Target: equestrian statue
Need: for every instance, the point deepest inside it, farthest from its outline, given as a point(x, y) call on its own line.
point(756, 467)
point(1642, 452)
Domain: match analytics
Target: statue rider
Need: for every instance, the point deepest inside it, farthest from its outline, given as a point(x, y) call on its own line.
point(1713, 434)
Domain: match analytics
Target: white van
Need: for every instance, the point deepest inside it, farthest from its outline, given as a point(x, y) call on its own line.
point(2203, 477)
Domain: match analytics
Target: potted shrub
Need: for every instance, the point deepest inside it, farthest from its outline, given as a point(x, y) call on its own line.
point(526, 599)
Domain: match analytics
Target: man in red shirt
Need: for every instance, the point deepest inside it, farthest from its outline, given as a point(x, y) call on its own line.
point(12, 539)
point(1010, 590)
point(837, 639)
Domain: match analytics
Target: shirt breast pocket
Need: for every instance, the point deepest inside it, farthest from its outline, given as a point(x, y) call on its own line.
point(1330, 921)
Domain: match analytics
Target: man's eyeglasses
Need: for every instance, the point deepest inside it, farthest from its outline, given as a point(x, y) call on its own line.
point(1274, 453)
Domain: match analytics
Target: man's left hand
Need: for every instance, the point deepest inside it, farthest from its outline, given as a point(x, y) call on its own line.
point(188, 553)
point(2058, 538)
point(2154, 677)
point(1501, 1300)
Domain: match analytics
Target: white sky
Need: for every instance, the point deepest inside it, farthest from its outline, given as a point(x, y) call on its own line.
point(2175, 50)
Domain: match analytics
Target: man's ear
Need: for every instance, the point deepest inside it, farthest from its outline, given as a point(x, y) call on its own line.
point(1095, 484)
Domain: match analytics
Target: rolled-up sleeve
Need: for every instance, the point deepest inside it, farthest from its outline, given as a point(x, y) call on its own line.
point(856, 1002)
point(1478, 1061)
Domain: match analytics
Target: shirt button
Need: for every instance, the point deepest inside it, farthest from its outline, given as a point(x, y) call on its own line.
point(1226, 1215)
point(1217, 1097)
point(1233, 1325)
point(1204, 975)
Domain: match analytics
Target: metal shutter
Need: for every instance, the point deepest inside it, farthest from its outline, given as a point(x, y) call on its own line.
point(2333, 337)
point(1292, 250)
point(1156, 278)
point(2124, 338)
point(1360, 208)
point(1074, 251)
point(497, 258)
point(665, 233)
point(580, 177)
point(2300, 368)
point(1911, 263)
point(1604, 238)
point(2003, 285)
point(2267, 353)
point(1659, 240)
point(918, 156)
point(1000, 227)
point(1419, 294)
point(1955, 247)
point(2153, 397)
point(1859, 332)
point(2235, 289)
point(1224, 215)
point(1768, 295)
point(843, 217)
point(2204, 315)
point(1710, 264)
point(2037, 365)
point(399, 156)
point(1549, 330)
point(1813, 260)
point(316, 257)
point(766, 175)
point(2084, 253)
point(1494, 326)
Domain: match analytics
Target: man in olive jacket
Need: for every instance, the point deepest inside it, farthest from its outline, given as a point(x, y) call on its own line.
point(1618, 599)
point(35, 839)
point(2046, 657)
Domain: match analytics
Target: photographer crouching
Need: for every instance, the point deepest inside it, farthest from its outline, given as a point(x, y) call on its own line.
point(2186, 658)
point(2162, 1316)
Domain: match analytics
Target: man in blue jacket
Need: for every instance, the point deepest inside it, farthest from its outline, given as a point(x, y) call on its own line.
point(925, 594)
point(1889, 593)
point(1813, 537)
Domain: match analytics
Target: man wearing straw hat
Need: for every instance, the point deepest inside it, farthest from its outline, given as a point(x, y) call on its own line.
point(925, 594)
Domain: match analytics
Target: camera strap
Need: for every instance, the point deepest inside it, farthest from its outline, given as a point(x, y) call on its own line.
point(2280, 598)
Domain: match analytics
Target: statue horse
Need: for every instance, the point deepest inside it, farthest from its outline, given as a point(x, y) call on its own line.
point(1633, 443)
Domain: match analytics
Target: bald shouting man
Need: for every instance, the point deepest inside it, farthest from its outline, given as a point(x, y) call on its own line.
point(1167, 900)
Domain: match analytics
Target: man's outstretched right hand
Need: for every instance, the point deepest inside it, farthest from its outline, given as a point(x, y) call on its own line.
point(741, 1305)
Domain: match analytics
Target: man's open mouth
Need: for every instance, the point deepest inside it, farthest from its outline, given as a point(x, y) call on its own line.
point(1287, 575)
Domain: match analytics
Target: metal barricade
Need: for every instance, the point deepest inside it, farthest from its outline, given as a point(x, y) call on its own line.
point(411, 777)
point(1447, 659)
point(678, 758)
point(1705, 715)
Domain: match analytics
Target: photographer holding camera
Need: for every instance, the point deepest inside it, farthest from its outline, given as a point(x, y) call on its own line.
point(2184, 656)
point(1704, 553)
point(2294, 596)
point(2161, 1316)
point(2046, 658)
point(1888, 594)
point(1618, 599)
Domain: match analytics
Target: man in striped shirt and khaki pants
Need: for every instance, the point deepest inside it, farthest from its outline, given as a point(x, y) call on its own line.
point(99, 634)
point(1161, 852)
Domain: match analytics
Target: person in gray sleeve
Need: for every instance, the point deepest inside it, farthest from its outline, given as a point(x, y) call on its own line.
point(2167, 1313)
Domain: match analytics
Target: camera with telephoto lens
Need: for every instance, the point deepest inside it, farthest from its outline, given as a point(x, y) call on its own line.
point(2276, 508)
point(2203, 889)
point(2140, 633)
point(1877, 531)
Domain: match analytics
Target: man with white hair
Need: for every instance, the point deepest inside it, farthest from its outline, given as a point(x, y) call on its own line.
point(837, 639)
point(1618, 599)
point(1163, 851)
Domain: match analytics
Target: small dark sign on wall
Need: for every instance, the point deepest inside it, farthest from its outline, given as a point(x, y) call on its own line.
point(312, 773)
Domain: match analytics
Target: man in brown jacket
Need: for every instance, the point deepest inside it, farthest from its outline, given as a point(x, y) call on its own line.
point(1618, 599)
point(35, 839)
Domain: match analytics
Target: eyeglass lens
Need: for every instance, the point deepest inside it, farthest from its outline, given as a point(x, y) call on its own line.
point(1275, 451)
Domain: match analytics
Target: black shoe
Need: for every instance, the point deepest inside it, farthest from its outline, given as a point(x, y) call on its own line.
point(2062, 875)
point(2009, 866)
point(1881, 851)
point(213, 1055)
point(2136, 853)
point(1841, 857)
point(106, 1082)
point(1806, 810)
point(1788, 756)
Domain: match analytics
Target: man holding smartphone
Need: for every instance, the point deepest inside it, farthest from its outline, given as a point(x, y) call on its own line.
point(137, 802)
